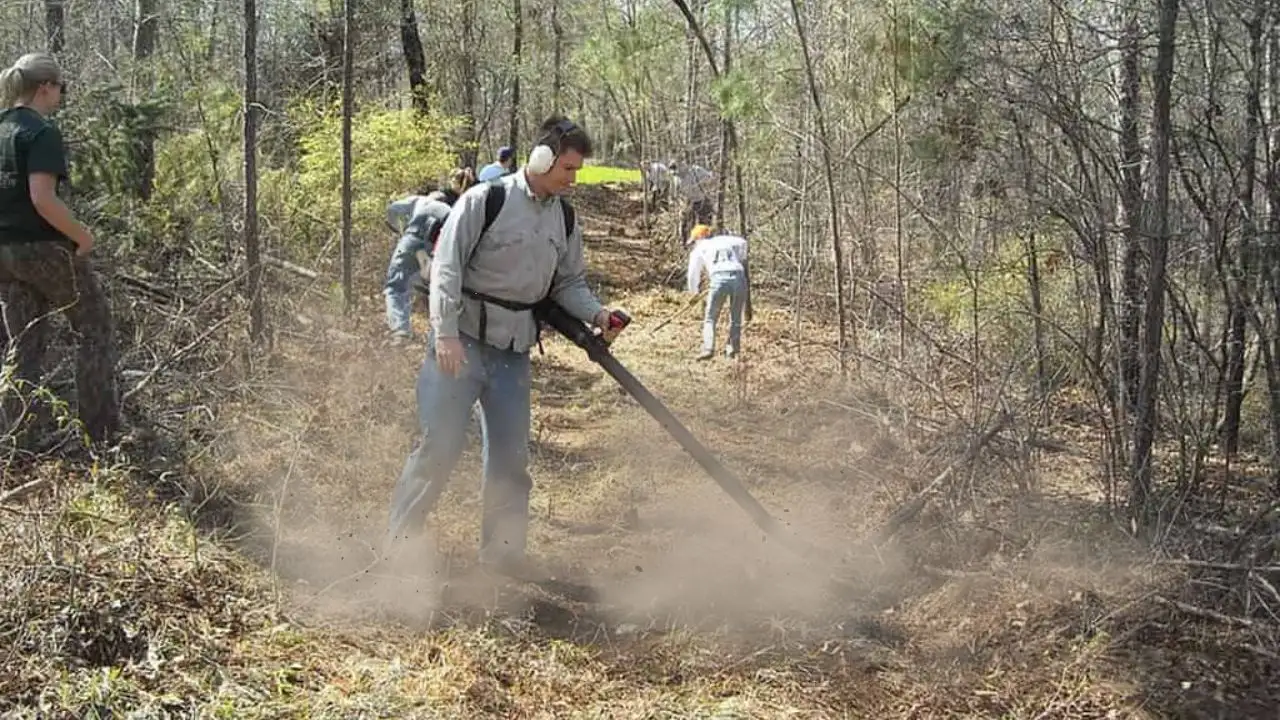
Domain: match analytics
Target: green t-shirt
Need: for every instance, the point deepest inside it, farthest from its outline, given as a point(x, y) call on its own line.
point(28, 144)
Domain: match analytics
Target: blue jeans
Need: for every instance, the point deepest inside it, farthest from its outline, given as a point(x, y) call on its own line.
point(398, 287)
point(731, 286)
point(499, 379)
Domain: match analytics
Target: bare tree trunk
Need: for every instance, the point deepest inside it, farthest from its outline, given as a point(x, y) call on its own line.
point(1241, 300)
point(722, 176)
point(513, 114)
point(55, 25)
point(829, 169)
point(557, 58)
point(1140, 490)
point(1130, 205)
point(257, 318)
point(1037, 312)
point(414, 57)
point(468, 73)
point(899, 251)
point(146, 31)
point(691, 85)
point(1269, 342)
point(348, 100)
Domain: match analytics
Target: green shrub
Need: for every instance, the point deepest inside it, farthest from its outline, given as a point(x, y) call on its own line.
point(394, 152)
point(1006, 325)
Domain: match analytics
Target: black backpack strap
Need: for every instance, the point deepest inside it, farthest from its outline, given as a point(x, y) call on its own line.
point(567, 208)
point(495, 197)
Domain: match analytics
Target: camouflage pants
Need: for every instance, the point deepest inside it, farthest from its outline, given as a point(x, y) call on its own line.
point(40, 278)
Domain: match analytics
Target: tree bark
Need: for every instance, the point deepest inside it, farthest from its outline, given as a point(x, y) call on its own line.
point(1140, 495)
point(146, 33)
point(414, 57)
point(1241, 298)
point(557, 58)
point(257, 320)
point(55, 25)
point(1130, 207)
point(348, 100)
point(513, 113)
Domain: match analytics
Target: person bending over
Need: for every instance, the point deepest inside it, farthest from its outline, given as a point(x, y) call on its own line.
point(418, 218)
point(724, 258)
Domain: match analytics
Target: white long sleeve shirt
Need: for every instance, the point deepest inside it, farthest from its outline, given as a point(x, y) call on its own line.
point(715, 254)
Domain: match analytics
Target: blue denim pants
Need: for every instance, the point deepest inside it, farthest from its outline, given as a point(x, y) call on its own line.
point(398, 287)
point(731, 286)
point(499, 380)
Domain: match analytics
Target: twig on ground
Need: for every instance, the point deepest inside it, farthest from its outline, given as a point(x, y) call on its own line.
point(1209, 565)
point(290, 267)
point(23, 490)
point(1205, 613)
point(907, 512)
point(954, 574)
point(174, 357)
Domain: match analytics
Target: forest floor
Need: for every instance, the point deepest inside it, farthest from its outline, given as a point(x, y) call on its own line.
point(254, 591)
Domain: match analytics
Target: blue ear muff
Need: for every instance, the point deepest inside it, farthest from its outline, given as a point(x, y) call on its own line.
point(543, 155)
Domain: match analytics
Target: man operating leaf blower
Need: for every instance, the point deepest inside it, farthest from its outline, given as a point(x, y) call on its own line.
point(506, 246)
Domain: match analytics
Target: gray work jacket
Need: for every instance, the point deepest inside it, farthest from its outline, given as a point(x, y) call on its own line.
point(523, 256)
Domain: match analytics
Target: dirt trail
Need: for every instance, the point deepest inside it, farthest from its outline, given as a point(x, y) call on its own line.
point(998, 612)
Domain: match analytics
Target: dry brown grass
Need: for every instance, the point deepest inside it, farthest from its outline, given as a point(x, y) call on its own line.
point(1009, 596)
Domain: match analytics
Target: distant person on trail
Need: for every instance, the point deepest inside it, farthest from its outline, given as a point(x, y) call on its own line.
point(695, 184)
point(657, 180)
point(483, 285)
point(505, 165)
point(724, 258)
point(44, 250)
point(418, 218)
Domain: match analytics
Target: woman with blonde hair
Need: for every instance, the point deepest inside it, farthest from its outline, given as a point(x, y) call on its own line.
point(43, 248)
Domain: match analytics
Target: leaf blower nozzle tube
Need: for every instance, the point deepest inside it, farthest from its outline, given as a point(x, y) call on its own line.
point(554, 316)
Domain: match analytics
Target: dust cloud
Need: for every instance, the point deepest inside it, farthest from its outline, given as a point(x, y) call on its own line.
point(318, 450)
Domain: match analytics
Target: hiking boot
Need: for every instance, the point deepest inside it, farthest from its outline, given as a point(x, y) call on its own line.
point(705, 355)
point(731, 352)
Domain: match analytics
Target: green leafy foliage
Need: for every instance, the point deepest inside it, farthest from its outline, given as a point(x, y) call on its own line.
point(105, 133)
point(395, 152)
point(737, 95)
point(1005, 318)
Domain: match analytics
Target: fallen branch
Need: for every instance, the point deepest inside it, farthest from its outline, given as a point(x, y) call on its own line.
point(1209, 565)
point(23, 490)
point(908, 512)
point(951, 574)
point(1205, 613)
point(159, 293)
point(162, 364)
point(291, 267)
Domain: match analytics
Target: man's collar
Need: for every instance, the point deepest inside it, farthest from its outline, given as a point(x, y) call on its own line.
point(522, 182)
